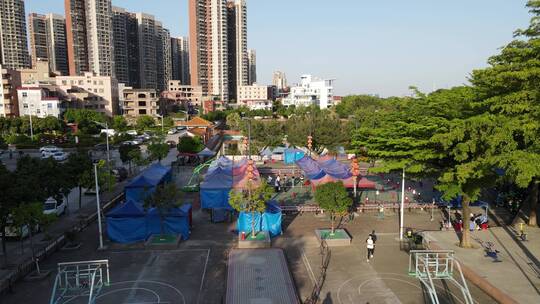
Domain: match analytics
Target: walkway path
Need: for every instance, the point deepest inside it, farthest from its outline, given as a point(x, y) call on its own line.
point(517, 272)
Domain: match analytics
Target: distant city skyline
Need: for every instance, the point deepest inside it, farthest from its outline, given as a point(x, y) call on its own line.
point(369, 47)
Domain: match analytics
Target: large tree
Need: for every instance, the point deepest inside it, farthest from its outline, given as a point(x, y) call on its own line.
point(252, 200)
point(333, 198)
point(508, 92)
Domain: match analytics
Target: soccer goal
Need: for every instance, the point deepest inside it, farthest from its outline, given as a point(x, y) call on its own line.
point(80, 279)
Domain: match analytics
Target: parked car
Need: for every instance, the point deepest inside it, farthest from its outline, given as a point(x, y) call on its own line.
point(180, 128)
point(100, 147)
point(171, 143)
point(49, 148)
point(49, 153)
point(172, 131)
point(120, 173)
point(131, 132)
point(131, 142)
point(60, 156)
point(110, 132)
point(52, 206)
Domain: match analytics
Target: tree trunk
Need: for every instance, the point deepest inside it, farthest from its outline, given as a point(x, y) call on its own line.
point(465, 235)
point(332, 225)
point(533, 203)
point(4, 249)
point(253, 224)
point(80, 197)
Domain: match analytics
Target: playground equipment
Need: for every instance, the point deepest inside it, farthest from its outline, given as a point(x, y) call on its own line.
point(80, 279)
point(431, 265)
point(193, 183)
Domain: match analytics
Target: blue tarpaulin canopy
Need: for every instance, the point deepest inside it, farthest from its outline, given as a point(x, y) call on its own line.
point(128, 223)
point(269, 221)
point(292, 155)
point(145, 183)
point(215, 189)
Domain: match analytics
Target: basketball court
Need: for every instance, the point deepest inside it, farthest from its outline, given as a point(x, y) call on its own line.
point(145, 276)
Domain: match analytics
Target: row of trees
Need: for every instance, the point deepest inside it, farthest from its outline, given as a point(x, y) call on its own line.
point(463, 136)
point(34, 180)
point(327, 130)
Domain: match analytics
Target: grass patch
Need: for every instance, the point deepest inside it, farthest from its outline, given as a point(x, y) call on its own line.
point(165, 239)
point(260, 236)
point(338, 235)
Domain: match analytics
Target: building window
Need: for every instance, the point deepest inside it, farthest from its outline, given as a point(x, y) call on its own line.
point(25, 105)
point(64, 82)
point(142, 103)
point(49, 106)
point(24, 94)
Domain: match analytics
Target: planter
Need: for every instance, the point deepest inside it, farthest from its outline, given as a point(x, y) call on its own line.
point(340, 237)
point(261, 240)
point(71, 246)
point(166, 241)
point(35, 276)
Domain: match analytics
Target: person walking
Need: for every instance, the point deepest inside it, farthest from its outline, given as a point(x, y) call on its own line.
point(370, 247)
point(374, 238)
point(277, 183)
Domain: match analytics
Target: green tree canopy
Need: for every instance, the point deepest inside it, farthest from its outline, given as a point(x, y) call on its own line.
point(333, 198)
point(145, 122)
point(252, 200)
point(190, 145)
point(158, 150)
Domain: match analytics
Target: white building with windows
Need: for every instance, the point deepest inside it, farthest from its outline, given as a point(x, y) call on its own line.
point(311, 91)
point(38, 101)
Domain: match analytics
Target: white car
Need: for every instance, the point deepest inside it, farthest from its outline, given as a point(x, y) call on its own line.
point(52, 206)
point(172, 131)
point(131, 132)
point(49, 153)
point(60, 156)
point(48, 149)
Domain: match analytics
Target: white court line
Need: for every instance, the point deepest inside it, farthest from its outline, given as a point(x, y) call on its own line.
point(153, 282)
point(204, 274)
point(131, 289)
point(159, 251)
point(308, 266)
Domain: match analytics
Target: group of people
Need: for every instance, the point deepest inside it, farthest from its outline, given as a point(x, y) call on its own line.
point(284, 184)
point(477, 221)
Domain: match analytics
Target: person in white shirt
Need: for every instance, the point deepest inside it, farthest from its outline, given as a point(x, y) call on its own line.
point(370, 244)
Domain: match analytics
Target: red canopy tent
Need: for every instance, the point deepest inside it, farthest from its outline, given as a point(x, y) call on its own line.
point(365, 183)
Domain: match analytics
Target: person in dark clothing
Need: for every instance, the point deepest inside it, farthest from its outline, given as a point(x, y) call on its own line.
point(374, 238)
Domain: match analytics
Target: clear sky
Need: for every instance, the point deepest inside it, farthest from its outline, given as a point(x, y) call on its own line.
point(368, 46)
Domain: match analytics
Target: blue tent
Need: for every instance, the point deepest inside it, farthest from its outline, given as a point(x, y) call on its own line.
point(292, 155)
point(215, 189)
point(126, 223)
point(269, 221)
point(145, 183)
point(176, 222)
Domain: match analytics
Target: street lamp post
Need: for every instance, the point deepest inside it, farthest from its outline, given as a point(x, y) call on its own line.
point(108, 151)
point(249, 136)
point(98, 204)
point(402, 205)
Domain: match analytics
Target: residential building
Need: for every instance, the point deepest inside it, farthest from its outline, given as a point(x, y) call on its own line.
point(48, 41)
point(140, 102)
point(10, 80)
point(208, 46)
point(237, 46)
point(57, 44)
point(180, 59)
point(147, 51)
point(210, 105)
point(126, 47)
point(39, 101)
point(99, 33)
point(90, 91)
point(279, 79)
point(192, 95)
point(252, 92)
point(39, 73)
point(37, 28)
point(311, 91)
point(256, 104)
point(13, 35)
point(77, 42)
point(163, 57)
point(120, 37)
point(252, 66)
